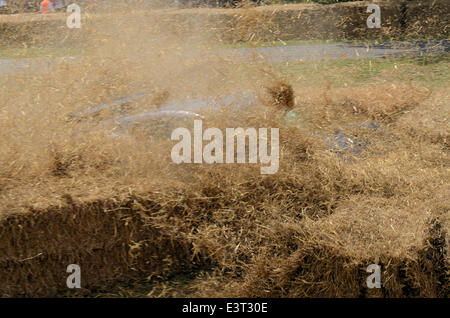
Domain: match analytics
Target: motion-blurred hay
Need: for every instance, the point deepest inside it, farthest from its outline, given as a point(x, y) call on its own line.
point(124, 212)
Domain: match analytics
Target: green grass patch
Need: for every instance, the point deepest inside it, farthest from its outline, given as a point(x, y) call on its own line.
point(22, 52)
point(328, 41)
point(429, 71)
point(281, 43)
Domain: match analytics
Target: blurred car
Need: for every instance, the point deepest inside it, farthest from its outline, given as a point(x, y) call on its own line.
point(160, 123)
point(155, 123)
point(349, 142)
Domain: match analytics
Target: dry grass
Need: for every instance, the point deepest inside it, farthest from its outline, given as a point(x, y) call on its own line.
point(122, 210)
point(281, 96)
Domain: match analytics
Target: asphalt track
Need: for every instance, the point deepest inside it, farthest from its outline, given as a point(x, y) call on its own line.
point(278, 54)
point(288, 53)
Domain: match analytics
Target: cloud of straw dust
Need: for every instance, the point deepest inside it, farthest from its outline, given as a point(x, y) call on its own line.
point(126, 51)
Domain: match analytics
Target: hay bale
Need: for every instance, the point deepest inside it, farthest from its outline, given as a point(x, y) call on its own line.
point(333, 253)
point(112, 241)
point(268, 23)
